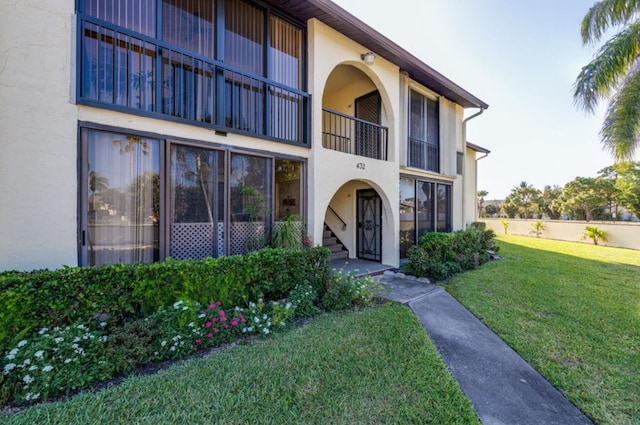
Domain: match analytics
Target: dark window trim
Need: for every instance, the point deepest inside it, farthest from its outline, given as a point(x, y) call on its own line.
point(166, 142)
point(304, 115)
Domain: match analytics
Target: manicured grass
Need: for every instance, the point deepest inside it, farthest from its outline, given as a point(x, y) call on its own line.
point(573, 312)
point(365, 367)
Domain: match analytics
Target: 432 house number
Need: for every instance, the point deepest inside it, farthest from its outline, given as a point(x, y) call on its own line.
point(360, 165)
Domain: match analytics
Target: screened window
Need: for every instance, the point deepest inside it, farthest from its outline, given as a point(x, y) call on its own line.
point(206, 62)
point(423, 132)
point(122, 199)
point(424, 207)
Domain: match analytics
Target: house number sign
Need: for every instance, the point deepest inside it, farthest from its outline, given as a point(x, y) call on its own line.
point(360, 165)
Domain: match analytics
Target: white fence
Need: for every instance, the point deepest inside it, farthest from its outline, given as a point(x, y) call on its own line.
point(621, 234)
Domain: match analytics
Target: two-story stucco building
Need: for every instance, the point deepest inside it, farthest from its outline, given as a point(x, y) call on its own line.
point(136, 130)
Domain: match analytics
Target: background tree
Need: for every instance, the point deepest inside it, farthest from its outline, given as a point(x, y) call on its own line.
point(585, 196)
point(628, 186)
point(491, 210)
point(524, 199)
point(481, 195)
point(548, 207)
point(613, 74)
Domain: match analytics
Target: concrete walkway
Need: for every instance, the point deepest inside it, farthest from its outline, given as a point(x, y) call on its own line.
point(502, 387)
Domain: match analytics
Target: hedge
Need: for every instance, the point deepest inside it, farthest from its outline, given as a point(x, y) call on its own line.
point(32, 300)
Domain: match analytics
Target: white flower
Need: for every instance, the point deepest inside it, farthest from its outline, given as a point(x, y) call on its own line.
point(177, 304)
point(266, 331)
point(201, 316)
point(264, 317)
point(67, 361)
point(31, 396)
point(59, 339)
point(27, 379)
point(76, 339)
point(185, 308)
point(104, 338)
point(22, 343)
point(43, 330)
point(288, 306)
point(26, 362)
point(163, 343)
point(82, 327)
point(173, 348)
point(74, 345)
point(103, 324)
point(39, 354)
point(191, 324)
point(9, 367)
point(47, 368)
point(10, 356)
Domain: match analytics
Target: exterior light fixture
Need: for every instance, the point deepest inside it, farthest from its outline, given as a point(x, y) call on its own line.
point(368, 58)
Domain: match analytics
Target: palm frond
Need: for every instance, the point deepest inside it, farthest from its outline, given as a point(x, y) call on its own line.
point(621, 128)
point(601, 77)
point(605, 14)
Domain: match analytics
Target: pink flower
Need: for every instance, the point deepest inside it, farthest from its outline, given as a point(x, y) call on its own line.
point(208, 324)
point(226, 326)
point(199, 341)
point(209, 335)
point(212, 306)
point(215, 319)
point(219, 302)
point(221, 313)
point(215, 329)
point(234, 322)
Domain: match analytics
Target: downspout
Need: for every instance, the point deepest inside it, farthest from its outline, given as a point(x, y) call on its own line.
point(464, 172)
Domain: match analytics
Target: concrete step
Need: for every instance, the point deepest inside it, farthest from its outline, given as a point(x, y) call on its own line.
point(329, 241)
point(340, 255)
point(334, 247)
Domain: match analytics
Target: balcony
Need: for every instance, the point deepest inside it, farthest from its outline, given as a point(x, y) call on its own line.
point(354, 136)
point(131, 72)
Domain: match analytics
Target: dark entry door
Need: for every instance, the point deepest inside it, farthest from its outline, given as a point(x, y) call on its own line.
point(367, 136)
point(369, 210)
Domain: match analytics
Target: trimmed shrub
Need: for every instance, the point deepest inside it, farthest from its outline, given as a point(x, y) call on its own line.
point(32, 300)
point(440, 255)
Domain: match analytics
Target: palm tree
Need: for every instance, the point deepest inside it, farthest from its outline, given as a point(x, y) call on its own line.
point(481, 195)
point(613, 74)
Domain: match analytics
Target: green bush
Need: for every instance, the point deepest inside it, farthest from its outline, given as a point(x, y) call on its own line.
point(440, 255)
point(121, 293)
point(303, 298)
point(346, 289)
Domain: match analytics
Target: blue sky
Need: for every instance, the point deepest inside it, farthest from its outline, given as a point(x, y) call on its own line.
point(521, 57)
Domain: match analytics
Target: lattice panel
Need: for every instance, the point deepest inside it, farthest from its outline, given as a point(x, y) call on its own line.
point(196, 241)
point(246, 237)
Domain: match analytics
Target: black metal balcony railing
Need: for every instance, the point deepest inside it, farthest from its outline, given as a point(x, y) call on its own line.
point(129, 71)
point(347, 134)
point(424, 155)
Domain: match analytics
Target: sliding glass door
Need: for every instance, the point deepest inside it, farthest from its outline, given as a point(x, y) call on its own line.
point(122, 192)
point(196, 227)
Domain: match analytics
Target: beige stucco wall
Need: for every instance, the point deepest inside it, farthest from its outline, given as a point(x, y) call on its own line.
point(619, 234)
point(336, 175)
point(38, 171)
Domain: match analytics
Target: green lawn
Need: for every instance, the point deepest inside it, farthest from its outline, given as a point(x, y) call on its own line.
point(365, 367)
point(573, 312)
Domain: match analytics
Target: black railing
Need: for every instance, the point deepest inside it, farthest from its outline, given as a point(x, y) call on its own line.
point(424, 155)
point(128, 71)
point(344, 225)
point(347, 134)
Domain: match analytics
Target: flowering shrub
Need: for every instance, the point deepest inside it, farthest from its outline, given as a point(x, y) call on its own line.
point(345, 289)
point(56, 361)
point(261, 318)
point(217, 327)
point(303, 298)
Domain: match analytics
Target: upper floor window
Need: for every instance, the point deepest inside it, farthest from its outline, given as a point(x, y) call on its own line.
point(424, 132)
point(229, 64)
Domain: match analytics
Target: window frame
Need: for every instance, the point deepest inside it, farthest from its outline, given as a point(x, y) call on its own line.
point(427, 95)
point(166, 142)
point(294, 129)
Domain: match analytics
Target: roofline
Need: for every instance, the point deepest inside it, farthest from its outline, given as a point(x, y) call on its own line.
point(478, 148)
point(398, 55)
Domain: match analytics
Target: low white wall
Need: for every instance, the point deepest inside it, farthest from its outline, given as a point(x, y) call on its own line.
point(620, 234)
